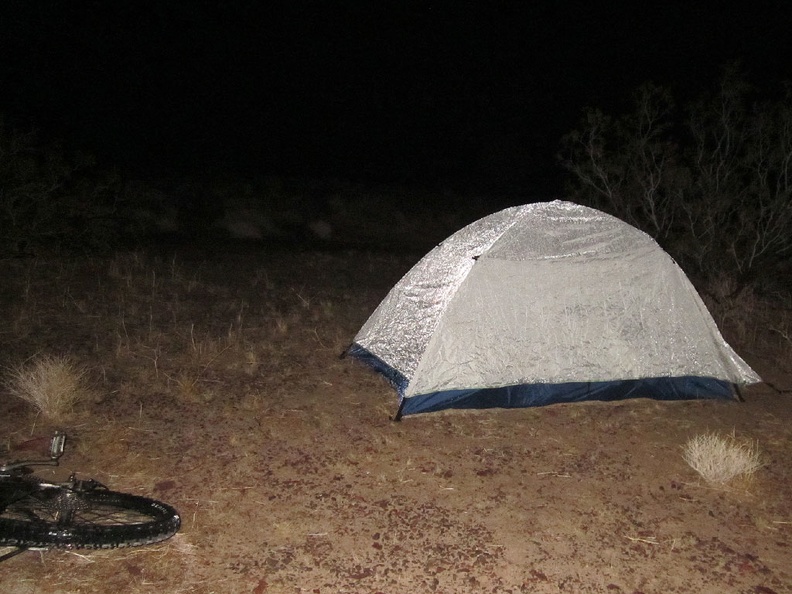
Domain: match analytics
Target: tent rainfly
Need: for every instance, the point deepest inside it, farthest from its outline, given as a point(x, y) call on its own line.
point(546, 303)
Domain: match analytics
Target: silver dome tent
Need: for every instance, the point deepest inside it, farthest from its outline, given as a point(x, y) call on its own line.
point(544, 303)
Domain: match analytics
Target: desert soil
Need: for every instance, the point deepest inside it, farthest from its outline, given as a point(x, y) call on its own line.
point(217, 386)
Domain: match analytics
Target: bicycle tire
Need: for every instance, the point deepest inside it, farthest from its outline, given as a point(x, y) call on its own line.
point(54, 516)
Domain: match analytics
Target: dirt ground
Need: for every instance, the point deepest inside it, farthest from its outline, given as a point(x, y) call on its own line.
point(218, 387)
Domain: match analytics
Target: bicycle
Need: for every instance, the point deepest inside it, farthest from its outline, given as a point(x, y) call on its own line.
point(36, 514)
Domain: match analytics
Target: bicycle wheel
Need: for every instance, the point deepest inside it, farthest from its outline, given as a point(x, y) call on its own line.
point(58, 516)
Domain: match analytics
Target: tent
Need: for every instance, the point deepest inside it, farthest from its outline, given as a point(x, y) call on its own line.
point(546, 303)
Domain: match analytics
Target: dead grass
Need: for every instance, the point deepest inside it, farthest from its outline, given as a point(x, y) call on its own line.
point(719, 460)
point(54, 385)
point(223, 395)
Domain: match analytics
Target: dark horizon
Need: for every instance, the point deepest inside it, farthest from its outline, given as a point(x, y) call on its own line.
point(431, 94)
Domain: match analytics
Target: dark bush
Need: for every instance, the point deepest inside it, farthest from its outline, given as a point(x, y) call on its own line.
point(53, 201)
point(712, 182)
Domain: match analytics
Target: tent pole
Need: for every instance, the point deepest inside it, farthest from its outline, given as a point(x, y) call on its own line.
point(398, 416)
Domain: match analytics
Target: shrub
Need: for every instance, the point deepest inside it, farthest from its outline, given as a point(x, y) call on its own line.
point(53, 385)
point(719, 460)
point(51, 200)
point(712, 183)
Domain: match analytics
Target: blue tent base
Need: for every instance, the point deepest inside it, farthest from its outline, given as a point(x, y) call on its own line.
point(524, 395)
point(658, 388)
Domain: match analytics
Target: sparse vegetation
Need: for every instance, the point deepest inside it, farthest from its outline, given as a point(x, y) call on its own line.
point(54, 200)
point(220, 391)
point(711, 181)
point(720, 460)
point(52, 384)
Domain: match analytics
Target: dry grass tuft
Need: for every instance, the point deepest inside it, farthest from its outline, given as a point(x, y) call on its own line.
point(54, 385)
point(719, 460)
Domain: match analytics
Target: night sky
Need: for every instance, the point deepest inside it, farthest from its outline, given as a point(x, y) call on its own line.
point(434, 93)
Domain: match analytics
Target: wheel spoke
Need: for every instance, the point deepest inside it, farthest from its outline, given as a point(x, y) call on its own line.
point(59, 516)
point(77, 512)
point(105, 515)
